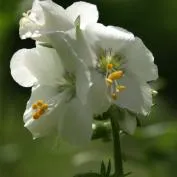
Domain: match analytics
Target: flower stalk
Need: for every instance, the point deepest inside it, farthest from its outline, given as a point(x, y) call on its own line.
point(116, 143)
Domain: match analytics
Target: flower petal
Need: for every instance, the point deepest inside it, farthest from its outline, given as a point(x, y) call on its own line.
point(128, 122)
point(100, 36)
point(49, 121)
point(98, 97)
point(56, 17)
point(136, 97)
point(72, 62)
point(87, 12)
point(140, 61)
point(40, 64)
point(77, 39)
point(64, 50)
point(83, 82)
point(44, 16)
point(31, 22)
point(76, 127)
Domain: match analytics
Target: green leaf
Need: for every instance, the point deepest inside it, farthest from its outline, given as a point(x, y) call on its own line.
point(126, 174)
point(103, 169)
point(108, 169)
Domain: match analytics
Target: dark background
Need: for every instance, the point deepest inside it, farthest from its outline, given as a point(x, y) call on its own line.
point(151, 152)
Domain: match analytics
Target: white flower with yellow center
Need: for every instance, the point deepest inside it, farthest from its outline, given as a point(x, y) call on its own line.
point(58, 99)
point(48, 16)
point(126, 64)
point(118, 59)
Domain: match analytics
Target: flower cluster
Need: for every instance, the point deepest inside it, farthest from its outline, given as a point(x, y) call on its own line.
point(78, 68)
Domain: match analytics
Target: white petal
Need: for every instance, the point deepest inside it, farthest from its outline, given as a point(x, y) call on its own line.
point(76, 127)
point(44, 16)
point(56, 17)
point(28, 29)
point(20, 73)
point(40, 64)
point(64, 50)
point(100, 36)
point(98, 97)
point(128, 123)
point(88, 12)
point(136, 97)
point(77, 39)
point(72, 62)
point(83, 82)
point(140, 61)
point(31, 22)
point(48, 122)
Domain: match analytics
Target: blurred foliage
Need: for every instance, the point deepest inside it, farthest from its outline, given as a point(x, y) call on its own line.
point(151, 152)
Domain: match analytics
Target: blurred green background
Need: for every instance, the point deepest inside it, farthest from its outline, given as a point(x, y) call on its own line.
point(151, 152)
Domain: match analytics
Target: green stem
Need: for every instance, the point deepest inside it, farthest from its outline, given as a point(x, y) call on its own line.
point(117, 148)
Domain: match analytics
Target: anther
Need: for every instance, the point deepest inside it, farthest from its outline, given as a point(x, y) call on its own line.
point(109, 66)
point(44, 106)
point(34, 106)
point(40, 102)
point(36, 115)
point(39, 108)
point(41, 111)
point(115, 75)
point(109, 81)
point(114, 96)
point(120, 88)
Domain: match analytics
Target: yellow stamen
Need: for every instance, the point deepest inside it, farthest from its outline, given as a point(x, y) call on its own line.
point(114, 96)
point(120, 88)
point(34, 106)
point(115, 75)
point(109, 81)
point(36, 115)
point(41, 112)
point(40, 102)
point(44, 106)
point(40, 108)
point(109, 66)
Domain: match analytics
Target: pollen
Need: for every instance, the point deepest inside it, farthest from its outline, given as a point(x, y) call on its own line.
point(34, 106)
point(41, 111)
point(115, 75)
point(109, 66)
point(40, 102)
point(44, 106)
point(36, 115)
point(40, 108)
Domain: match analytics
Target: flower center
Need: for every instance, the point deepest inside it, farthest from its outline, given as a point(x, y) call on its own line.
point(69, 85)
point(29, 25)
point(25, 19)
point(39, 108)
point(109, 65)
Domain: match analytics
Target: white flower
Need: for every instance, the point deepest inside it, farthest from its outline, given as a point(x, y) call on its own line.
point(58, 99)
point(118, 57)
point(127, 65)
point(48, 16)
point(97, 93)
